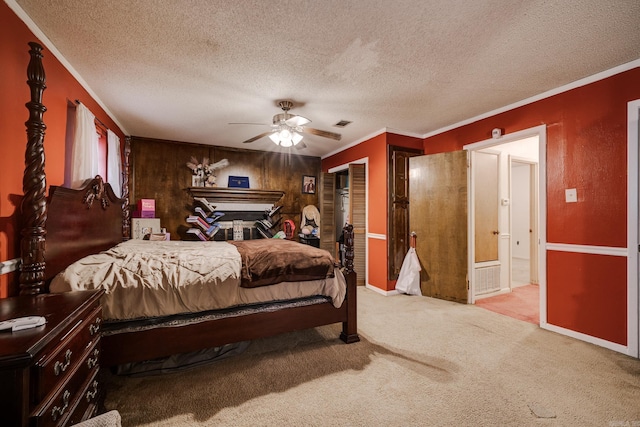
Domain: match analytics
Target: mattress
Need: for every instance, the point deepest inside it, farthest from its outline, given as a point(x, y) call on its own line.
point(144, 279)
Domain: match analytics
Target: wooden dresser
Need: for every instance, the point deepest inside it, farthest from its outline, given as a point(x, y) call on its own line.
point(49, 374)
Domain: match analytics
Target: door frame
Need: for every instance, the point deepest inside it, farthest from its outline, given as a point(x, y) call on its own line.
point(633, 247)
point(541, 132)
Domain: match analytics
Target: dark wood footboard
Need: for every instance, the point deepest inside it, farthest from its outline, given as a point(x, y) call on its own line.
point(166, 341)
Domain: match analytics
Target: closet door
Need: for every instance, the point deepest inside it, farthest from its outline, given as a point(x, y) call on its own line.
point(398, 227)
point(487, 235)
point(327, 212)
point(358, 217)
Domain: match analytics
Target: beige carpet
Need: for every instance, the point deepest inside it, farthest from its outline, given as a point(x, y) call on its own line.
point(421, 362)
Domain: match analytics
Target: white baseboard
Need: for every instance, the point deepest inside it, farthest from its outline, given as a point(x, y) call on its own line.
point(381, 291)
point(588, 338)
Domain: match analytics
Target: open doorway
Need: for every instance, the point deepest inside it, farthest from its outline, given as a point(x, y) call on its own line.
point(508, 284)
point(524, 201)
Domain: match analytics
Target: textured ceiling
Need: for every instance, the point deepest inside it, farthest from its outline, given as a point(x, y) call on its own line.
point(183, 70)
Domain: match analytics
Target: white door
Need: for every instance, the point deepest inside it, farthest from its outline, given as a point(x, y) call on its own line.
point(524, 223)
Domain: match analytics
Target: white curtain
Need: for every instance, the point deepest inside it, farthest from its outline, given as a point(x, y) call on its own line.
point(84, 157)
point(114, 173)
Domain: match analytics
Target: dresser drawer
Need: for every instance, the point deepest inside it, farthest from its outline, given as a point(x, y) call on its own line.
point(52, 368)
point(87, 404)
point(30, 390)
point(69, 395)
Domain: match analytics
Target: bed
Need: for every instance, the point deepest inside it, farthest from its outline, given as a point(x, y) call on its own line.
point(71, 226)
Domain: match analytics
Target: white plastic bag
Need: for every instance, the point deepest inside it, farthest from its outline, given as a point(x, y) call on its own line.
point(409, 277)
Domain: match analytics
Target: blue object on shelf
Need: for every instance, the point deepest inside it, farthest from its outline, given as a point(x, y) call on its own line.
point(238, 182)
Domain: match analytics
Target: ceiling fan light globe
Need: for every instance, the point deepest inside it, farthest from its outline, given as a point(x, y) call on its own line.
point(275, 138)
point(286, 143)
point(285, 134)
point(296, 138)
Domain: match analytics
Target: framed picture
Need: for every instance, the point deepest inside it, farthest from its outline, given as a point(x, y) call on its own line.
point(308, 184)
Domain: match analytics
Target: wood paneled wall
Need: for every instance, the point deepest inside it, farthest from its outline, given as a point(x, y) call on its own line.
point(159, 171)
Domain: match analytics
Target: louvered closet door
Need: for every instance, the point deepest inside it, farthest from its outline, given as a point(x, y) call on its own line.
point(358, 217)
point(327, 212)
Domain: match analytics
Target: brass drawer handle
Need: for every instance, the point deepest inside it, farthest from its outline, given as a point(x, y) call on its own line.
point(93, 361)
point(95, 326)
point(57, 411)
point(92, 393)
point(60, 367)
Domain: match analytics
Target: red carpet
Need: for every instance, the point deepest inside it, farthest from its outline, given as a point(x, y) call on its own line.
point(522, 303)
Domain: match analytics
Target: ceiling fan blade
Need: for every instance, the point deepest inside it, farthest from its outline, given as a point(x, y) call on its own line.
point(256, 137)
point(322, 133)
point(294, 121)
point(242, 123)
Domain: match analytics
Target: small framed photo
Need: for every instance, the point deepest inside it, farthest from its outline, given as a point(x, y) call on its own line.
point(308, 184)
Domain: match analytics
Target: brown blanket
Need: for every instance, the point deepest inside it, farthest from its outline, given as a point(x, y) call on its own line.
point(270, 261)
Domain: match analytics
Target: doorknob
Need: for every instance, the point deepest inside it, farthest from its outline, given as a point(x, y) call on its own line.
point(495, 233)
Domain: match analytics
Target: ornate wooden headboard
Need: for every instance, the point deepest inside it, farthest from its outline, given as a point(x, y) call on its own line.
point(80, 223)
point(71, 223)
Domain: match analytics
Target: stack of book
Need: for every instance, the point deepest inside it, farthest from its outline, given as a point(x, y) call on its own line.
point(268, 226)
point(205, 221)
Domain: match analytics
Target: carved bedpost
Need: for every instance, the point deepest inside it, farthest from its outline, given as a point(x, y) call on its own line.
point(348, 248)
point(349, 332)
point(34, 183)
point(126, 213)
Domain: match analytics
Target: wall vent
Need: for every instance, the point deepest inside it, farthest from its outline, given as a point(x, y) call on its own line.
point(487, 279)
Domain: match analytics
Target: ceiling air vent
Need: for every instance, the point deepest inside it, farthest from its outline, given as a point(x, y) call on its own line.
point(342, 123)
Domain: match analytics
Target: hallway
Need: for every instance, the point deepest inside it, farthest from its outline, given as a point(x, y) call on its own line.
point(523, 302)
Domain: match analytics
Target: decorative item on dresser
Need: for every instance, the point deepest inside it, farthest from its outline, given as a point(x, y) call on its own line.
point(77, 231)
point(49, 374)
point(204, 174)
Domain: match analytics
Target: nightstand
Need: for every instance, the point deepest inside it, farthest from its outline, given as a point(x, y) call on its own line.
point(311, 240)
point(49, 374)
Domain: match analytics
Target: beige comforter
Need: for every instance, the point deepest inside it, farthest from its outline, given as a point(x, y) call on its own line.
point(144, 278)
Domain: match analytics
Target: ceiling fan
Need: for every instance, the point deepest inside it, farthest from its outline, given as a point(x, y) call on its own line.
point(287, 129)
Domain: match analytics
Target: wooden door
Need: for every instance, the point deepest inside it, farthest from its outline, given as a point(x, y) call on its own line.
point(358, 217)
point(398, 228)
point(326, 199)
point(438, 214)
point(485, 174)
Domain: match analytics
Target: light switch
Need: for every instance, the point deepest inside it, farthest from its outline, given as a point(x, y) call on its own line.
point(571, 195)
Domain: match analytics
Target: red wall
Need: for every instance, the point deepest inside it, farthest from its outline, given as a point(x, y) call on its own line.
point(375, 150)
point(588, 294)
point(62, 88)
point(586, 150)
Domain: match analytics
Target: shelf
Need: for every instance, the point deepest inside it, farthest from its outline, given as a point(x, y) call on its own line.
point(236, 195)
